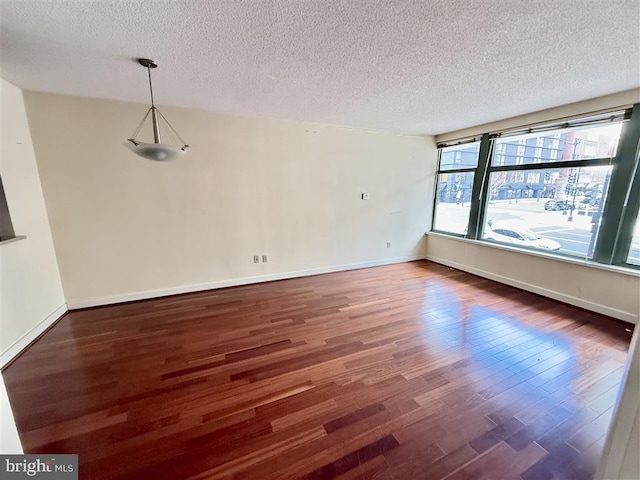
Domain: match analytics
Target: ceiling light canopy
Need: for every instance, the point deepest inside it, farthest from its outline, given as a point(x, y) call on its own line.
point(158, 151)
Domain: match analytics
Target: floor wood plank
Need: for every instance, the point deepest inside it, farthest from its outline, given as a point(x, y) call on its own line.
point(404, 371)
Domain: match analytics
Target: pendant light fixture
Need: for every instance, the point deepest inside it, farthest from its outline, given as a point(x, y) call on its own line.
point(158, 151)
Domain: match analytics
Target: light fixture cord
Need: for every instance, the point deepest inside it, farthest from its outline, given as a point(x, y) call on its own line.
point(150, 86)
point(154, 119)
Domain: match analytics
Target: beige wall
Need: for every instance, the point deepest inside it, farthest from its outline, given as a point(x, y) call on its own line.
point(125, 227)
point(30, 283)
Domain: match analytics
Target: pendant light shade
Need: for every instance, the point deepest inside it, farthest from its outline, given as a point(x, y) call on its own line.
point(158, 151)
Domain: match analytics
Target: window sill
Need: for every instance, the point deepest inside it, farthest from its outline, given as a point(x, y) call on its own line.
point(14, 239)
point(575, 261)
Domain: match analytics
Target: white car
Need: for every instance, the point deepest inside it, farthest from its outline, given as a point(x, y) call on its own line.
point(518, 235)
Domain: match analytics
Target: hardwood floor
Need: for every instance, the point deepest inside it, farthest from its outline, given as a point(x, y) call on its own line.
point(404, 371)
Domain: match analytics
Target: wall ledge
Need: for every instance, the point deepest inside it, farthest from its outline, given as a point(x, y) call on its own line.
point(632, 272)
point(14, 239)
point(545, 292)
point(165, 292)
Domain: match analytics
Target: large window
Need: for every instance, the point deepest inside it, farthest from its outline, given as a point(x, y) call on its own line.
point(565, 188)
point(454, 186)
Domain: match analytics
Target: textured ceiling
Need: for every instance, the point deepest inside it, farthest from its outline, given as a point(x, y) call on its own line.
point(405, 66)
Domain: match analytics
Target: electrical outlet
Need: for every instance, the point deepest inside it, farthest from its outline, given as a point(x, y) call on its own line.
point(264, 259)
point(256, 259)
point(365, 196)
point(388, 244)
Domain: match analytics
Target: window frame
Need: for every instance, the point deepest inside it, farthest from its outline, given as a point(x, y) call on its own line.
point(622, 202)
point(456, 171)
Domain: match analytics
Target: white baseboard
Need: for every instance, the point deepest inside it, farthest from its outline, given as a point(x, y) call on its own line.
point(31, 335)
point(571, 300)
point(129, 297)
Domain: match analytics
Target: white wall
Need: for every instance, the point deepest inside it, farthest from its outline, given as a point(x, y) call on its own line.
point(125, 227)
point(31, 291)
point(31, 295)
point(620, 458)
point(9, 438)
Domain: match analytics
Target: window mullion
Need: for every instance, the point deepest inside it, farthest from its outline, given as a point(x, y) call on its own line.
point(480, 179)
point(621, 205)
point(625, 234)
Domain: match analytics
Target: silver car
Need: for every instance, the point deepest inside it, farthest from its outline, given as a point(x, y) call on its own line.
point(517, 235)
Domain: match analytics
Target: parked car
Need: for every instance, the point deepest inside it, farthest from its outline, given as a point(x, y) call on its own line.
point(593, 202)
point(518, 235)
point(557, 205)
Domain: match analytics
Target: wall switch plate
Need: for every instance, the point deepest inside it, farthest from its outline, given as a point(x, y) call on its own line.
point(264, 259)
point(365, 196)
point(388, 244)
point(256, 259)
